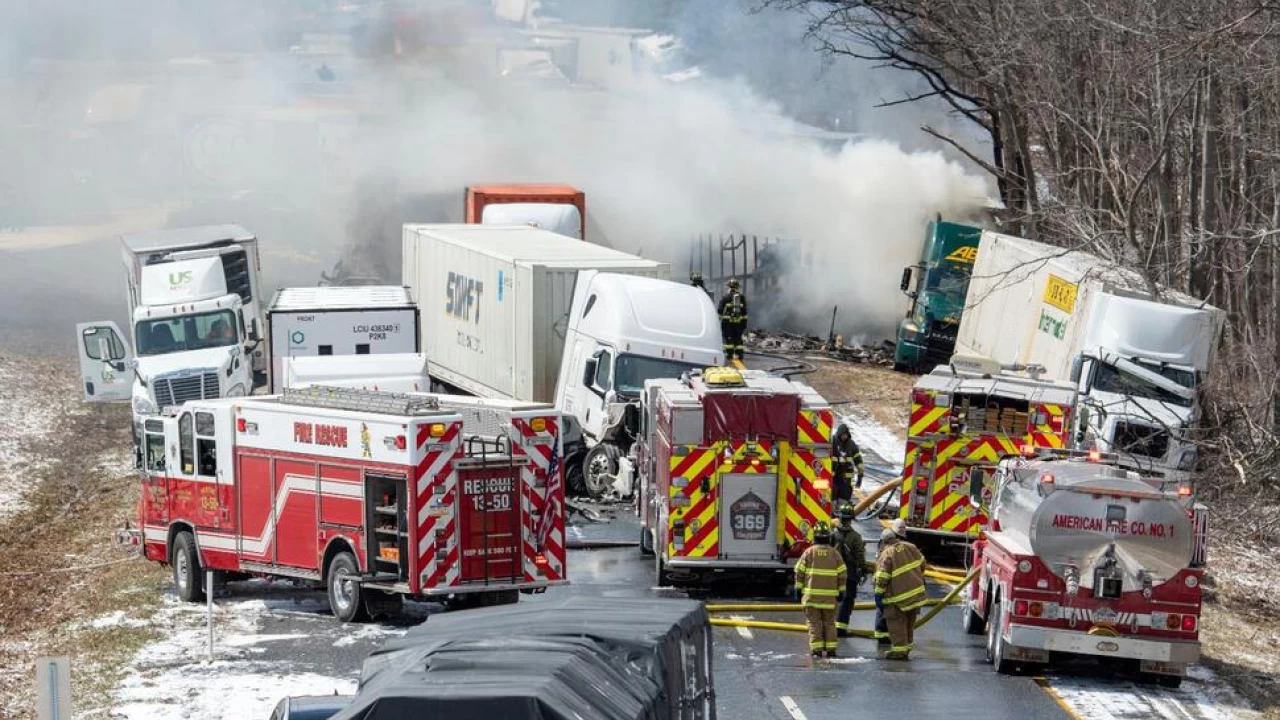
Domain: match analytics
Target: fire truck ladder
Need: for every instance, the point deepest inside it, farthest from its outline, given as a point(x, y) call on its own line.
point(373, 401)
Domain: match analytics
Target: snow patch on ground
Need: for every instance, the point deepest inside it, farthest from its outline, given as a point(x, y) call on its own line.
point(115, 619)
point(171, 679)
point(873, 436)
point(1203, 696)
point(35, 397)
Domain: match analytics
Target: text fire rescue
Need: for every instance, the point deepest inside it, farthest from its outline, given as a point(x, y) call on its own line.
point(331, 435)
point(1118, 527)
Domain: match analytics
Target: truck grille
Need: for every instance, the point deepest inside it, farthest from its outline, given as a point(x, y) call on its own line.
point(175, 390)
point(940, 342)
point(1145, 440)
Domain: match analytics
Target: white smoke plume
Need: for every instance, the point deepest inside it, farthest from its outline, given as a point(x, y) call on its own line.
point(317, 150)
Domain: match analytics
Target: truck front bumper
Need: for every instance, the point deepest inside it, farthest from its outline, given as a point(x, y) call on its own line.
point(1079, 643)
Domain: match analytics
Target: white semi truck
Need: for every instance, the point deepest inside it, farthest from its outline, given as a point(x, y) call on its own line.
point(1137, 353)
point(195, 312)
point(522, 313)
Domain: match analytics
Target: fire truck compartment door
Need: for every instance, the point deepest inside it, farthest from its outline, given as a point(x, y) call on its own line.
point(106, 362)
point(748, 517)
point(489, 529)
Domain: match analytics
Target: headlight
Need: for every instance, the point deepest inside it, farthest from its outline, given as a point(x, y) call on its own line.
point(910, 331)
point(236, 390)
point(143, 406)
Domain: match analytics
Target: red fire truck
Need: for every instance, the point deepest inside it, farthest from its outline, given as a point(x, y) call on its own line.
point(1085, 558)
point(735, 471)
point(964, 418)
point(376, 495)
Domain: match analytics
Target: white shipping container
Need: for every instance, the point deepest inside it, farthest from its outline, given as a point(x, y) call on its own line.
point(325, 321)
point(1034, 303)
point(495, 300)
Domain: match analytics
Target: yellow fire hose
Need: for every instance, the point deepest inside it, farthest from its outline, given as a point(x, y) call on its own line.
point(938, 605)
point(875, 495)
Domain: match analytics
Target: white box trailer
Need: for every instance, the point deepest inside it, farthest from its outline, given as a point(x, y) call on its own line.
point(339, 321)
point(495, 301)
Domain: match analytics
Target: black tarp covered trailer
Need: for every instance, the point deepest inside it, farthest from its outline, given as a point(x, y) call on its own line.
point(577, 658)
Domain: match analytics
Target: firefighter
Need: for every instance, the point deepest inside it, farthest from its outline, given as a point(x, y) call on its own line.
point(820, 582)
point(848, 457)
point(900, 593)
point(695, 279)
point(853, 550)
point(733, 319)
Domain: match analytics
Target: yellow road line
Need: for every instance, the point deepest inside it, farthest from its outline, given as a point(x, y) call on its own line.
point(1048, 689)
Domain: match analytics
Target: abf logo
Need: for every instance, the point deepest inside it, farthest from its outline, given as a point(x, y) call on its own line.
point(179, 278)
point(965, 254)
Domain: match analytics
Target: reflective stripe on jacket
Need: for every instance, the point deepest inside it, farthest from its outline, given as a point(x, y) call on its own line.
point(820, 577)
point(900, 576)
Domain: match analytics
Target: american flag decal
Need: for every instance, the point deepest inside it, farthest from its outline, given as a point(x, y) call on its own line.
point(551, 508)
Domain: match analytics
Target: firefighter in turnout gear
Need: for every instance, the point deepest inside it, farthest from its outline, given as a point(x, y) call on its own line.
point(900, 592)
point(820, 581)
point(853, 550)
point(848, 461)
point(733, 320)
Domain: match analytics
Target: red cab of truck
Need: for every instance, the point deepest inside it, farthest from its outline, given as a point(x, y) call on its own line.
point(554, 207)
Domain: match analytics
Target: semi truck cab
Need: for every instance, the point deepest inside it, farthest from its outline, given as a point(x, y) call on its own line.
point(623, 330)
point(937, 287)
point(189, 342)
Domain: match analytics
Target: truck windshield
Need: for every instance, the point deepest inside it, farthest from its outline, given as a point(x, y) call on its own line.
point(948, 280)
point(630, 372)
point(1112, 379)
point(187, 332)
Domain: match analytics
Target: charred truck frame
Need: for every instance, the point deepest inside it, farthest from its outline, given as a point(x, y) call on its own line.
point(735, 471)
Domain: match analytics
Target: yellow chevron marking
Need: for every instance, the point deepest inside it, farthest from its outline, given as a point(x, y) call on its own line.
point(918, 427)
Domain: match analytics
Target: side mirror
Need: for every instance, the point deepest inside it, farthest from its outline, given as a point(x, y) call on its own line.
point(1077, 364)
point(254, 335)
point(906, 280)
point(589, 372)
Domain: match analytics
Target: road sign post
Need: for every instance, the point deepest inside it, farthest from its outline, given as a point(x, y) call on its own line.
point(53, 688)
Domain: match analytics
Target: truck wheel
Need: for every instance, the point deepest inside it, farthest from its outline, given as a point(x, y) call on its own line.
point(188, 576)
point(346, 596)
point(973, 622)
point(995, 641)
point(664, 578)
point(599, 468)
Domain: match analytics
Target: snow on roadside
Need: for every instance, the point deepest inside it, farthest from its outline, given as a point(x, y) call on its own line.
point(872, 436)
point(171, 680)
point(1203, 696)
point(35, 395)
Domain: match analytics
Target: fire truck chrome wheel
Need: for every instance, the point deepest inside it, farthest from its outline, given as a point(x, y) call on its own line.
point(973, 623)
point(995, 641)
point(186, 568)
point(345, 596)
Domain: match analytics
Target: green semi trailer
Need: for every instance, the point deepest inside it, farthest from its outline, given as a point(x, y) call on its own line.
point(937, 286)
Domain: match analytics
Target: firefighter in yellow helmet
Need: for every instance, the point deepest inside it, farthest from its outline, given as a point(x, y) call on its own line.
point(820, 582)
point(900, 592)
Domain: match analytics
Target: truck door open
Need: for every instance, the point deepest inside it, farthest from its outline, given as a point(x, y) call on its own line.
point(106, 362)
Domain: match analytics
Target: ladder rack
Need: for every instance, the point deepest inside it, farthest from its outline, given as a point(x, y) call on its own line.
point(338, 398)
